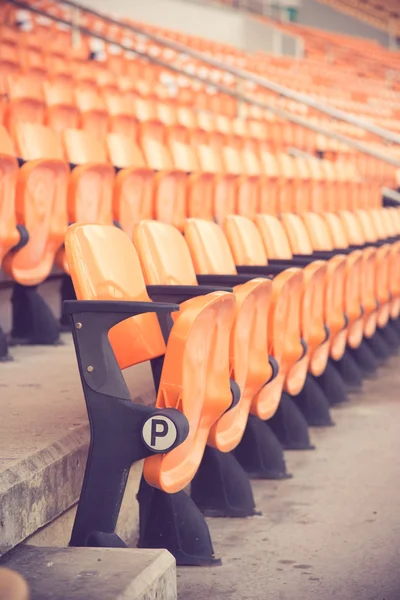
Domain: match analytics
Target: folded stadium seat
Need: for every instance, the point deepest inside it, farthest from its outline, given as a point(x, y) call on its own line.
point(203, 139)
point(134, 182)
point(107, 81)
point(200, 184)
point(214, 265)
point(85, 74)
point(366, 226)
point(115, 325)
point(42, 219)
point(168, 271)
point(272, 191)
point(247, 171)
point(310, 237)
point(91, 182)
point(278, 251)
point(9, 57)
point(250, 257)
point(58, 68)
point(169, 183)
point(258, 161)
point(32, 61)
point(121, 114)
point(322, 236)
point(61, 110)
point(93, 112)
point(25, 101)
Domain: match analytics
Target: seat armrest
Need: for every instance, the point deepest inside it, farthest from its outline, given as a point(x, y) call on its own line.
point(116, 307)
point(260, 270)
point(223, 280)
point(181, 293)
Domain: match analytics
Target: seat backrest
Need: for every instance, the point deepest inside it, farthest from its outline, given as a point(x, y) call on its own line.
point(104, 265)
point(26, 101)
point(209, 248)
point(245, 241)
point(57, 94)
point(297, 234)
point(35, 141)
point(273, 237)
point(6, 143)
point(183, 155)
point(163, 254)
point(81, 147)
point(93, 112)
point(61, 111)
point(123, 151)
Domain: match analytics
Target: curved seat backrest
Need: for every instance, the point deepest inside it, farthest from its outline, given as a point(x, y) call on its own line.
point(245, 241)
point(163, 254)
point(274, 237)
point(81, 147)
point(104, 266)
point(40, 203)
point(123, 151)
point(297, 233)
point(209, 248)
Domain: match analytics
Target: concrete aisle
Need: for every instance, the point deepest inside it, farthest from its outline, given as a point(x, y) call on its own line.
point(333, 531)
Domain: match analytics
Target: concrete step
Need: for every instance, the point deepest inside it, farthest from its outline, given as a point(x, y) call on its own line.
point(94, 573)
point(44, 437)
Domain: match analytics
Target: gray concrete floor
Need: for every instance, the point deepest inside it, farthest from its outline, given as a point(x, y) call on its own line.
point(41, 398)
point(333, 531)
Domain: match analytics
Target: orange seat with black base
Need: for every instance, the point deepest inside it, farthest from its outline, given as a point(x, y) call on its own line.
point(115, 325)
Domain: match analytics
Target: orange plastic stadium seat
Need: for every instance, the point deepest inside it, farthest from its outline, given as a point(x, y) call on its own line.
point(207, 142)
point(248, 251)
point(277, 247)
point(200, 184)
point(9, 59)
point(167, 265)
point(26, 102)
point(357, 227)
point(134, 182)
point(247, 175)
point(122, 118)
point(93, 112)
point(169, 182)
point(91, 181)
point(313, 234)
point(9, 236)
point(212, 256)
point(40, 203)
point(61, 110)
point(104, 267)
point(32, 60)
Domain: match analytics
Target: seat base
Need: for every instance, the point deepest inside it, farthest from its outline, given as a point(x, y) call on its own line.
point(173, 522)
point(4, 355)
point(391, 336)
point(332, 384)
point(67, 293)
point(379, 346)
point(221, 487)
point(349, 371)
point(365, 359)
point(290, 426)
point(314, 404)
point(32, 319)
point(260, 453)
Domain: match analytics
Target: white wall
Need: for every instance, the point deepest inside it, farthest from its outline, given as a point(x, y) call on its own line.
point(312, 13)
point(212, 22)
